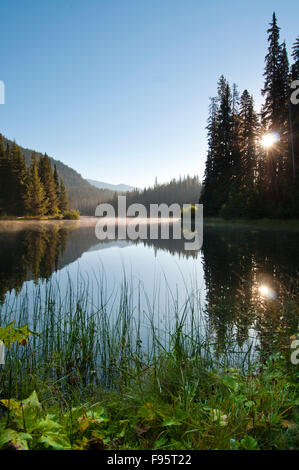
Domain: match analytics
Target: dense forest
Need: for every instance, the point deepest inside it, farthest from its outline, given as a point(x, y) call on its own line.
point(82, 196)
point(35, 191)
point(185, 190)
point(252, 166)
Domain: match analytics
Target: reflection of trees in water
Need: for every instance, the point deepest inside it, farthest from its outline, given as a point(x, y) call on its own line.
point(236, 264)
point(29, 254)
point(42, 251)
point(12, 268)
point(174, 247)
point(171, 245)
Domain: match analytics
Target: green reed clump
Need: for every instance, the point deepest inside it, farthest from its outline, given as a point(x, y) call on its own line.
point(89, 336)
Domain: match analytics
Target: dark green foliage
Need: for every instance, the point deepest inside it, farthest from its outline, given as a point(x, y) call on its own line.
point(71, 215)
point(242, 178)
point(29, 191)
point(56, 178)
point(49, 184)
point(13, 180)
point(63, 200)
point(82, 196)
point(182, 191)
point(178, 405)
point(36, 201)
point(4, 172)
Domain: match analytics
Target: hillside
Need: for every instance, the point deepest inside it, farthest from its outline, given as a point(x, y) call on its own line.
point(119, 188)
point(82, 195)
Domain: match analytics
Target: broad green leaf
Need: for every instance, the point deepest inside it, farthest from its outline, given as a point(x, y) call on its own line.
point(26, 412)
point(249, 443)
point(17, 439)
point(55, 441)
point(11, 334)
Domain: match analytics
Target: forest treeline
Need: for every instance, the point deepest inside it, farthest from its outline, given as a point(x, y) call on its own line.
point(185, 190)
point(82, 196)
point(35, 191)
point(252, 166)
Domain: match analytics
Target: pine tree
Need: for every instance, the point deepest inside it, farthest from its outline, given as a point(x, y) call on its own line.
point(35, 200)
point(248, 132)
point(275, 118)
point(5, 181)
point(3, 175)
point(271, 108)
point(63, 199)
point(19, 180)
point(56, 180)
point(47, 179)
point(295, 55)
point(247, 135)
point(294, 133)
point(235, 184)
point(219, 166)
point(223, 147)
point(207, 195)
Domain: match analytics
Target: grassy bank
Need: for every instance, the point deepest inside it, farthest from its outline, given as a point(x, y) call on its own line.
point(68, 215)
point(92, 378)
point(172, 404)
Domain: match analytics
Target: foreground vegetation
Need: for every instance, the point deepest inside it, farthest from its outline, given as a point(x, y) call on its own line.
point(172, 404)
point(91, 379)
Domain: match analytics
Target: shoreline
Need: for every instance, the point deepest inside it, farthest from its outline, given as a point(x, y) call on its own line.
point(270, 224)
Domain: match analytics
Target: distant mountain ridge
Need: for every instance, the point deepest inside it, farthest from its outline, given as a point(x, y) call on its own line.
point(119, 188)
point(82, 195)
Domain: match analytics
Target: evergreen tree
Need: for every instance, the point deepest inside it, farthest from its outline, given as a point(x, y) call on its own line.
point(63, 200)
point(18, 180)
point(235, 184)
point(56, 180)
point(219, 169)
point(295, 55)
point(248, 132)
point(223, 160)
point(275, 119)
point(271, 108)
point(207, 196)
point(294, 133)
point(5, 180)
point(47, 179)
point(242, 178)
point(35, 201)
point(3, 176)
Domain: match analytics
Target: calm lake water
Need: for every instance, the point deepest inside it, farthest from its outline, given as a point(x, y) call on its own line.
point(239, 283)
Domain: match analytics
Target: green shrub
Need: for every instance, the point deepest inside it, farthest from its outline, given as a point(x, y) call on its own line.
point(71, 215)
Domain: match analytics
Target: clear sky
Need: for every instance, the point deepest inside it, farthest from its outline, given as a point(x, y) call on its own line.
point(119, 89)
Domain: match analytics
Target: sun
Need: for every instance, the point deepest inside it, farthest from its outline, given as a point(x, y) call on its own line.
point(269, 139)
point(266, 292)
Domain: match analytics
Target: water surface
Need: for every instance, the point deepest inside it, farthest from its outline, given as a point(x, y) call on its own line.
point(239, 273)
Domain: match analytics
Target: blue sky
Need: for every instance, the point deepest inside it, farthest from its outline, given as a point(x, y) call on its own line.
point(119, 89)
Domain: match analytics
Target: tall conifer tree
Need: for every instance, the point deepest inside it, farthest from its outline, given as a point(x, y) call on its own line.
point(36, 202)
point(19, 180)
point(63, 200)
point(47, 179)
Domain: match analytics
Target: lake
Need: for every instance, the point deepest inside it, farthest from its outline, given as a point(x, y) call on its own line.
point(235, 291)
